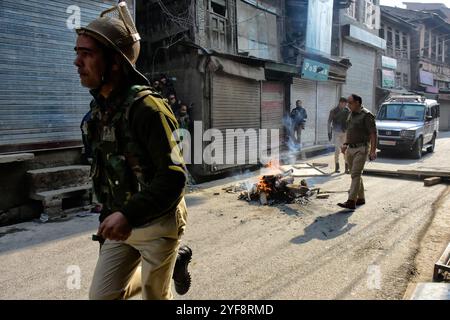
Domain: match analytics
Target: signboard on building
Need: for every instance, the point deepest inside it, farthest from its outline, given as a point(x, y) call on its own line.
point(445, 96)
point(387, 78)
point(314, 70)
point(388, 63)
point(432, 89)
point(319, 26)
point(426, 78)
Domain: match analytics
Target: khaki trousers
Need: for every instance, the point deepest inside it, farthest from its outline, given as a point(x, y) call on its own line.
point(356, 159)
point(339, 140)
point(143, 263)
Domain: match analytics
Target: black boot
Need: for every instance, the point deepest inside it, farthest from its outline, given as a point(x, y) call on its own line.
point(337, 168)
point(181, 276)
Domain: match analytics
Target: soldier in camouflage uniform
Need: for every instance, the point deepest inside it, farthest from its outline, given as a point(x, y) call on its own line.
point(138, 172)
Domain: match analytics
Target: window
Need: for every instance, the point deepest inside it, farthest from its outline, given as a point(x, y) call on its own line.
point(398, 79)
point(397, 43)
point(219, 7)
point(381, 32)
point(426, 44)
point(389, 44)
point(439, 48)
point(405, 80)
point(218, 22)
point(433, 47)
point(402, 112)
point(351, 10)
point(371, 14)
point(389, 36)
point(218, 32)
point(405, 46)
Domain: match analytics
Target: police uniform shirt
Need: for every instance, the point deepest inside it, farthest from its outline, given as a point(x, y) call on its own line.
point(360, 125)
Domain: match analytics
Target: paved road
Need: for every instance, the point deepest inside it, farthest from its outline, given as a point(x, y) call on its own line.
point(245, 251)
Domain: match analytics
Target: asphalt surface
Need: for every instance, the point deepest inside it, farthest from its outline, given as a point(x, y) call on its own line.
point(249, 251)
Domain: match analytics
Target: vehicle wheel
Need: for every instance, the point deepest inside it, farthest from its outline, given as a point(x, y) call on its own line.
point(433, 144)
point(417, 149)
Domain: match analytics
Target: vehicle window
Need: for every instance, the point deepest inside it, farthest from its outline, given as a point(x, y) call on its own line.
point(435, 111)
point(402, 112)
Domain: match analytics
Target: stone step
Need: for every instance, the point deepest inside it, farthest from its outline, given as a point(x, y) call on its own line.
point(60, 193)
point(52, 200)
point(48, 179)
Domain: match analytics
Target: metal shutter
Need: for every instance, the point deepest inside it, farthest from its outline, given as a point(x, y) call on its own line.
point(305, 90)
point(236, 105)
point(444, 120)
point(272, 105)
point(328, 99)
point(41, 99)
point(361, 75)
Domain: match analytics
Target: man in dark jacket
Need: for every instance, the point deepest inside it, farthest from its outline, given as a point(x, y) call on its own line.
point(298, 119)
point(337, 126)
point(138, 172)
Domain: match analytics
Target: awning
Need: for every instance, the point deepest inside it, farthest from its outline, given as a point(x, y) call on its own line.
point(224, 65)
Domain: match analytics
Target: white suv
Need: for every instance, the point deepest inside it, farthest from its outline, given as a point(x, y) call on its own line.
point(408, 123)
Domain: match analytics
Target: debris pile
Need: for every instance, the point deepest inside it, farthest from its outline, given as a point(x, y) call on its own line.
point(274, 189)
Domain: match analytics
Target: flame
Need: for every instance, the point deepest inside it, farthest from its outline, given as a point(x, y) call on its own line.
point(273, 164)
point(263, 186)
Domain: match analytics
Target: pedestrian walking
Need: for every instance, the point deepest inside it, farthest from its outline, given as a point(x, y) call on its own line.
point(337, 126)
point(140, 186)
point(360, 143)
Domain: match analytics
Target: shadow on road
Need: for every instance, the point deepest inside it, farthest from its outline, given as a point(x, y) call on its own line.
point(326, 227)
point(391, 157)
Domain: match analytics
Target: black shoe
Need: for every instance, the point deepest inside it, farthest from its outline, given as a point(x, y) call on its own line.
point(181, 276)
point(349, 204)
point(336, 166)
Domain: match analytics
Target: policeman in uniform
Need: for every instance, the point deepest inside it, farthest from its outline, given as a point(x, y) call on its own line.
point(361, 142)
point(138, 172)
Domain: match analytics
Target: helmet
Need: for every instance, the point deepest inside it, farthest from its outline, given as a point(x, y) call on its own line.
point(116, 30)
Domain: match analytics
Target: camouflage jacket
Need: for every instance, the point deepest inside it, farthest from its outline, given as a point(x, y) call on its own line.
point(132, 170)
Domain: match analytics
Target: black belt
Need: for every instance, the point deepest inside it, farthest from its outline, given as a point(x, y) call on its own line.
point(356, 145)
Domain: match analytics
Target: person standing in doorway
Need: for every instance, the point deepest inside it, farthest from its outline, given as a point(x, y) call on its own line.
point(298, 119)
point(337, 126)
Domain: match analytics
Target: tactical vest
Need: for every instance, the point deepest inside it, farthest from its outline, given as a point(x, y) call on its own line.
point(119, 167)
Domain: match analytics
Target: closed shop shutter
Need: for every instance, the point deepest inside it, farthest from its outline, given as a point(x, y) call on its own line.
point(444, 119)
point(361, 75)
point(236, 105)
point(272, 106)
point(41, 99)
point(328, 99)
point(305, 90)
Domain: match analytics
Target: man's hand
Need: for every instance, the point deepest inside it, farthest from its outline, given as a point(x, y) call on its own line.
point(344, 149)
point(115, 227)
point(373, 155)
